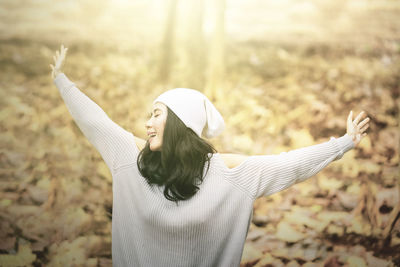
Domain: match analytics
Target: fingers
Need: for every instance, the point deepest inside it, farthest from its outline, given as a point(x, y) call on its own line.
point(363, 122)
point(59, 58)
point(358, 118)
point(62, 52)
point(63, 49)
point(350, 117)
point(55, 58)
point(363, 129)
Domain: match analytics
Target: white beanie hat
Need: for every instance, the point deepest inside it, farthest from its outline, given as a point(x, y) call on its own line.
point(195, 110)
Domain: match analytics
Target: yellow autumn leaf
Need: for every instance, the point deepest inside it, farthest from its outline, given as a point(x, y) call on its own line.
point(280, 252)
point(316, 208)
point(347, 165)
point(5, 202)
point(243, 143)
point(293, 263)
point(266, 259)
point(307, 187)
point(24, 257)
point(300, 218)
point(250, 253)
point(370, 168)
point(359, 226)
point(74, 253)
point(355, 261)
point(329, 216)
point(329, 184)
point(300, 138)
point(288, 233)
point(366, 144)
point(395, 240)
point(354, 188)
point(335, 229)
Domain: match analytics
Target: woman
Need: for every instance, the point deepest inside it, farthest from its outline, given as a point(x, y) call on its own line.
point(176, 202)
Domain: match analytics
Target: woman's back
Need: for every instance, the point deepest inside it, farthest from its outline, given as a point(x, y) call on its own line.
point(208, 229)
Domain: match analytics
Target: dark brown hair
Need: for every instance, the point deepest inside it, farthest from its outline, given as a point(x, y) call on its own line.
point(180, 164)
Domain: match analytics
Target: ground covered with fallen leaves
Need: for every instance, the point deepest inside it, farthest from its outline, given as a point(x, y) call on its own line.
point(279, 94)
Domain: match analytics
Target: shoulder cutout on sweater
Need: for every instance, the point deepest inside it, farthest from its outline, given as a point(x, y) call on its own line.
point(233, 160)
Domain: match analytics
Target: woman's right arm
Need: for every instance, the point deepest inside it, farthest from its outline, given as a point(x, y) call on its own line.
point(263, 175)
point(116, 145)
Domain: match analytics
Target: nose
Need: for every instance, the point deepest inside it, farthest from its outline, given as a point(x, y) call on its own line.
point(148, 123)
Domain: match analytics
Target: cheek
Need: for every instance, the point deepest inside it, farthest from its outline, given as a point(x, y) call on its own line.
point(159, 126)
point(162, 125)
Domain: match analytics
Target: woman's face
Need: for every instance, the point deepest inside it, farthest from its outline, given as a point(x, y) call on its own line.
point(155, 126)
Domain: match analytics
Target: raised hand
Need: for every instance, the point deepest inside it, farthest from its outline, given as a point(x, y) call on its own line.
point(355, 128)
point(58, 61)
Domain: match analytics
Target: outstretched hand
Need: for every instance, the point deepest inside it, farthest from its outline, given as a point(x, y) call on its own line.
point(355, 128)
point(58, 61)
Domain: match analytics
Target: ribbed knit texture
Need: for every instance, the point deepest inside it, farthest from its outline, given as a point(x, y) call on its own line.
point(209, 229)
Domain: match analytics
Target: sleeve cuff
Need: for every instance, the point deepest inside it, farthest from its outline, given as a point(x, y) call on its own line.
point(62, 82)
point(344, 143)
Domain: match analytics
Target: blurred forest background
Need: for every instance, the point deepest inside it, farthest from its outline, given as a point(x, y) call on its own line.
point(284, 75)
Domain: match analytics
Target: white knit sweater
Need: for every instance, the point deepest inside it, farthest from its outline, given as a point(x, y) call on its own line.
point(209, 229)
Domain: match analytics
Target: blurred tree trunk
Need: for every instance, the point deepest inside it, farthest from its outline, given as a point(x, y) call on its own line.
point(216, 67)
point(195, 52)
point(167, 49)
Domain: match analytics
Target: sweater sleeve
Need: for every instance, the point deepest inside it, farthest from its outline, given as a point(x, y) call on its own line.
point(263, 175)
point(114, 143)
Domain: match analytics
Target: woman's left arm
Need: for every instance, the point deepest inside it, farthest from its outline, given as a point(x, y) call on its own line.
point(263, 175)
